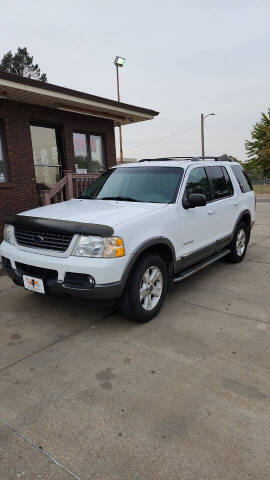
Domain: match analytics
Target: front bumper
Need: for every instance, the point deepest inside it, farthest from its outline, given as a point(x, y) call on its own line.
point(107, 273)
point(98, 292)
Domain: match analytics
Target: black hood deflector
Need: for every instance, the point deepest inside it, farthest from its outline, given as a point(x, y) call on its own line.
point(61, 226)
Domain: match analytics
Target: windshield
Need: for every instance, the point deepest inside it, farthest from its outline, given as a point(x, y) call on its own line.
point(137, 184)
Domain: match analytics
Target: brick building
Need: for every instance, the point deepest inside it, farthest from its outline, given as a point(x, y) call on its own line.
point(46, 129)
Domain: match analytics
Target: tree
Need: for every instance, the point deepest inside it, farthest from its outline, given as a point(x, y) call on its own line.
point(230, 157)
point(21, 63)
point(254, 169)
point(258, 149)
point(250, 167)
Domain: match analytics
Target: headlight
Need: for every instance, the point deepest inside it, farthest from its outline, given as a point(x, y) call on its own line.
point(9, 235)
point(89, 246)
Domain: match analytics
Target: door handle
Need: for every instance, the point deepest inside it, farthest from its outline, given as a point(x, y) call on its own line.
point(211, 211)
point(235, 203)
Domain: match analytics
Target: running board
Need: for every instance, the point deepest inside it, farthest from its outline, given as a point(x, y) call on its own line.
point(199, 266)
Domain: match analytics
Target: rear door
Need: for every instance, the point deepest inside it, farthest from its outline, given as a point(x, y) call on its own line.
point(224, 205)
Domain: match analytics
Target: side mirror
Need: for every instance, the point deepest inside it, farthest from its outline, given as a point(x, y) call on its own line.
point(195, 200)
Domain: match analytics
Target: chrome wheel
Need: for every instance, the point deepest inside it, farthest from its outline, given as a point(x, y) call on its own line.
point(241, 242)
point(151, 288)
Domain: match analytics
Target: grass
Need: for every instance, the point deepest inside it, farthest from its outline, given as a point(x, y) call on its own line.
point(261, 188)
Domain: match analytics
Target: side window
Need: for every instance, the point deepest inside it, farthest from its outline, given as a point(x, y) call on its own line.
point(228, 181)
point(220, 189)
point(242, 178)
point(198, 183)
point(3, 166)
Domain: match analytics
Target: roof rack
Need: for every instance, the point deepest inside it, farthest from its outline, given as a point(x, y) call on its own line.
point(165, 159)
point(193, 159)
point(216, 158)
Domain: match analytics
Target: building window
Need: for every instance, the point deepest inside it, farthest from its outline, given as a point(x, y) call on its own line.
point(3, 165)
point(47, 154)
point(88, 152)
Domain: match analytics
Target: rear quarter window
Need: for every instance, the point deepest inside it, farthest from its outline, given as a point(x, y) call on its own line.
point(242, 178)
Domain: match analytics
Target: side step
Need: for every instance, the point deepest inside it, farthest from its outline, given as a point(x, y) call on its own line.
point(199, 266)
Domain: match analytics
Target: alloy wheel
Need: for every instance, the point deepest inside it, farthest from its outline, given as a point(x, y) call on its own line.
point(151, 288)
point(241, 242)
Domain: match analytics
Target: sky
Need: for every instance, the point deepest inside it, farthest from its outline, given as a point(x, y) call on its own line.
point(183, 58)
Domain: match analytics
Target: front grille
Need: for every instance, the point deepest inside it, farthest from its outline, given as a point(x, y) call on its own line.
point(37, 272)
point(34, 237)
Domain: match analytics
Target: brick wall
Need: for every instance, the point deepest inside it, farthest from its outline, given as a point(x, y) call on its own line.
point(19, 193)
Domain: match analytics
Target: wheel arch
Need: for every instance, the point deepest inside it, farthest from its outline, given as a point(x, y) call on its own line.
point(159, 245)
point(245, 217)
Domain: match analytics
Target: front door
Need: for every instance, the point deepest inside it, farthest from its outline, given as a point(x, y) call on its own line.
point(47, 156)
point(196, 224)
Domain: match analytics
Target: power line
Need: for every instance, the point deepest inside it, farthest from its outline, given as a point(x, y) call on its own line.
point(165, 137)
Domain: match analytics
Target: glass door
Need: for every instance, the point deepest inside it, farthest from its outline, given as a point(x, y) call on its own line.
point(46, 154)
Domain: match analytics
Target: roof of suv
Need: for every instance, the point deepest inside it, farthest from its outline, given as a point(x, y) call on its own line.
point(178, 162)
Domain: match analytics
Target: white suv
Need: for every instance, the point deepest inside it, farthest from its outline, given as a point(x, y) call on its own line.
point(136, 229)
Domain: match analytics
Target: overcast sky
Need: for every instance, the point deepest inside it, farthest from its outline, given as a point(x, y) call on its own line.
point(184, 57)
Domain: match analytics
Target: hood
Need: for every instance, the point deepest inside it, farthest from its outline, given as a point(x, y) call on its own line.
point(106, 212)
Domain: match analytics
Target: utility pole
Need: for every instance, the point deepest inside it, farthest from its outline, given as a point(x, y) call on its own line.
point(120, 127)
point(119, 62)
point(202, 130)
point(202, 133)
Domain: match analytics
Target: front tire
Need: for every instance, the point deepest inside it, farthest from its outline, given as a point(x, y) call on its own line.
point(146, 289)
point(239, 244)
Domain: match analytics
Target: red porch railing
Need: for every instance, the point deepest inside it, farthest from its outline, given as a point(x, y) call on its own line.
point(70, 186)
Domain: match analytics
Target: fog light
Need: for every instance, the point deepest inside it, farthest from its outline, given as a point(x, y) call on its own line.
point(92, 281)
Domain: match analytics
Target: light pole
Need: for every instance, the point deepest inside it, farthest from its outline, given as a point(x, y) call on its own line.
point(119, 62)
point(202, 130)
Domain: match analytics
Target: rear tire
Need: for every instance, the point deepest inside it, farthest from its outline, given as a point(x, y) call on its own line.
point(239, 244)
point(146, 289)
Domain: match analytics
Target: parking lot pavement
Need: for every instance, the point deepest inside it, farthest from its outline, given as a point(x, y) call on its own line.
point(86, 394)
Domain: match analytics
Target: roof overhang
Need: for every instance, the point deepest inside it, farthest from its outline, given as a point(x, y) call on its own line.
point(13, 87)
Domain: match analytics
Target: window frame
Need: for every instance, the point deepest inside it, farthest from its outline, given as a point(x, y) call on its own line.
point(3, 143)
point(208, 171)
point(88, 146)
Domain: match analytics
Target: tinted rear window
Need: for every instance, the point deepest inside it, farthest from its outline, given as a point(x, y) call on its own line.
point(228, 181)
point(242, 178)
point(220, 189)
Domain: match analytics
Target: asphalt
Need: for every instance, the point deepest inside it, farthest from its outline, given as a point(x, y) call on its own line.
point(263, 199)
point(87, 394)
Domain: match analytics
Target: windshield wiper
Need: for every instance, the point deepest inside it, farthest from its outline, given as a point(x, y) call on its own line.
point(121, 198)
point(88, 197)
